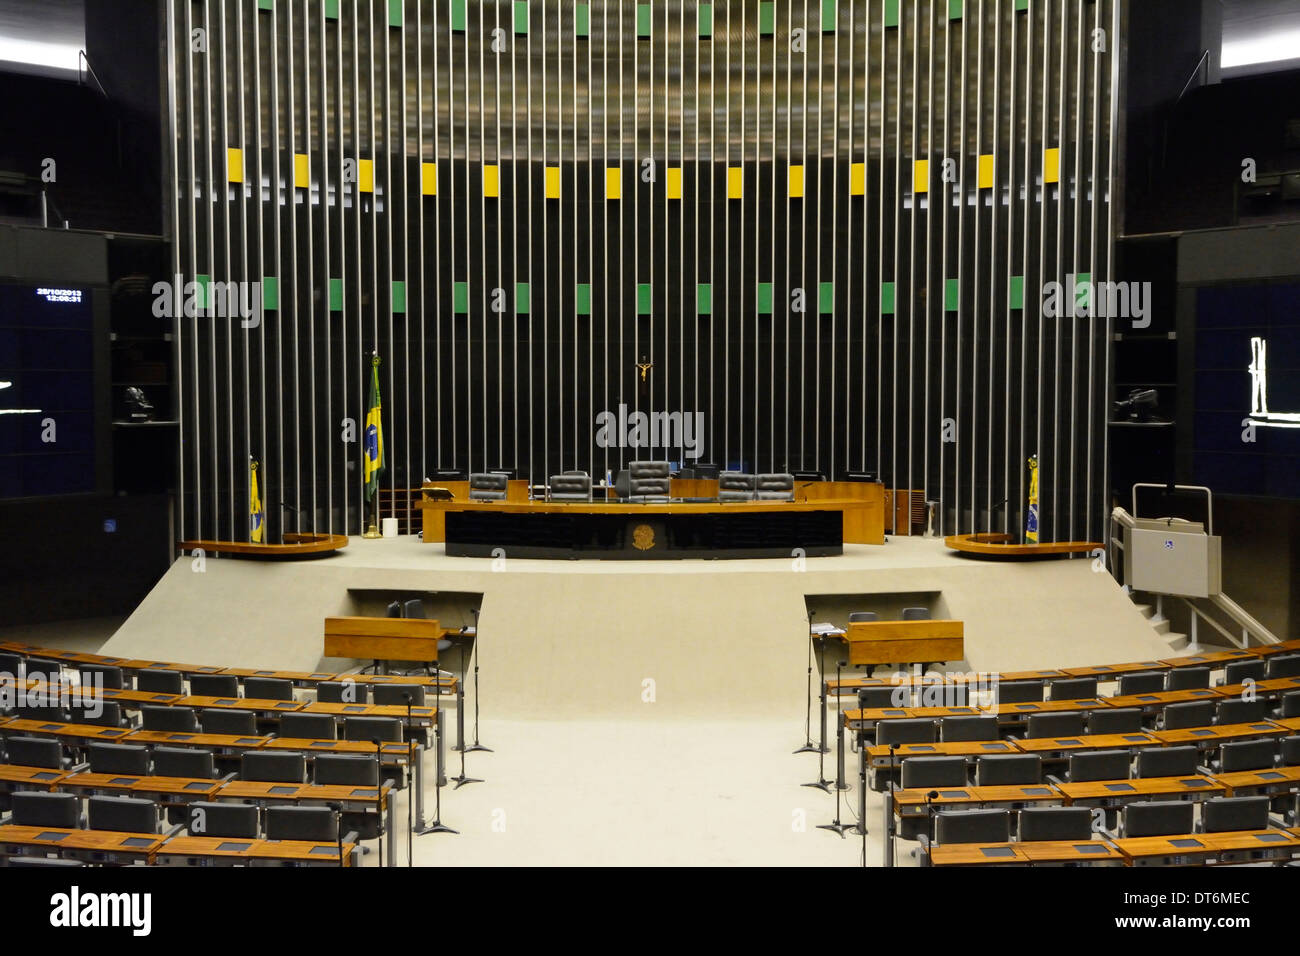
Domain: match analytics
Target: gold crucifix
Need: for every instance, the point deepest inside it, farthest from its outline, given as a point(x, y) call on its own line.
point(645, 367)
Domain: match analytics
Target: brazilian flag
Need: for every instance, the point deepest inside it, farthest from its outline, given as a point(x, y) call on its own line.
point(1031, 523)
point(374, 447)
point(256, 512)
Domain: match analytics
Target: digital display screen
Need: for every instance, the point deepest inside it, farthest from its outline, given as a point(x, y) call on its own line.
point(1247, 420)
point(47, 391)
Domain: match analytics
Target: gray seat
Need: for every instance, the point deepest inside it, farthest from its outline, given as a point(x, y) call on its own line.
point(972, 826)
point(1020, 692)
point(414, 608)
point(774, 487)
point(487, 486)
point(268, 688)
point(335, 692)
point(1238, 672)
point(1283, 665)
point(1098, 765)
point(870, 698)
point(917, 731)
point(35, 752)
point(571, 486)
point(1289, 751)
point(1238, 711)
point(214, 685)
point(372, 728)
point(916, 614)
point(308, 726)
point(35, 808)
point(105, 675)
point(1167, 762)
point(927, 772)
point(648, 481)
point(736, 486)
point(316, 824)
point(1143, 682)
point(1187, 678)
point(967, 728)
point(1073, 688)
point(227, 821)
point(119, 758)
point(1220, 814)
point(1191, 713)
point(273, 766)
point(175, 719)
point(122, 814)
point(195, 763)
point(356, 770)
point(392, 694)
point(236, 723)
point(160, 682)
point(1054, 823)
point(1116, 720)
point(1157, 818)
point(1068, 724)
point(1247, 755)
point(998, 770)
point(1291, 704)
point(858, 617)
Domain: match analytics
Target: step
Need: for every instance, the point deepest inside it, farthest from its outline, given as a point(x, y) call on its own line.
point(1177, 641)
point(1161, 626)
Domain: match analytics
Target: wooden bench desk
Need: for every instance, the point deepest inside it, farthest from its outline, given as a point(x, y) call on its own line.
point(1209, 738)
point(107, 845)
point(1107, 671)
point(67, 733)
point(217, 742)
point(1194, 849)
point(1274, 780)
point(1071, 852)
point(39, 778)
point(421, 714)
point(1059, 748)
point(978, 854)
point(878, 755)
point(157, 788)
point(189, 850)
point(1116, 793)
point(255, 704)
point(1159, 699)
point(393, 751)
point(911, 804)
point(1215, 660)
point(1273, 687)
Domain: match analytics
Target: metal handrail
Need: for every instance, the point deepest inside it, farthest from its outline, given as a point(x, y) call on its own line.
point(82, 56)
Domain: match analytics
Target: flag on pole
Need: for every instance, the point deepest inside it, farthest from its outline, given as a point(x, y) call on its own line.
point(1031, 522)
point(256, 512)
point(374, 448)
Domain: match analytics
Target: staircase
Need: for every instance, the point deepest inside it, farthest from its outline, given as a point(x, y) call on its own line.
point(1160, 624)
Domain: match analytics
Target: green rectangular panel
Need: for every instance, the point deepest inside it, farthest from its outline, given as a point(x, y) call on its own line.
point(826, 297)
point(1016, 292)
point(394, 13)
point(204, 284)
point(331, 9)
point(399, 296)
point(829, 15)
point(582, 20)
point(1022, 6)
point(891, 13)
point(521, 16)
point(643, 20)
point(583, 297)
point(704, 298)
point(705, 19)
point(765, 297)
point(1082, 291)
point(644, 299)
point(266, 4)
point(336, 295)
point(766, 18)
point(951, 295)
point(459, 15)
point(270, 292)
point(523, 302)
point(886, 298)
point(954, 9)
point(460, 296)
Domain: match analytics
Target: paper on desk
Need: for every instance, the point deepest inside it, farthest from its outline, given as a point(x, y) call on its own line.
point(826, 627)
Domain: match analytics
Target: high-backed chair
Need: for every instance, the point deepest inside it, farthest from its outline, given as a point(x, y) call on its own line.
point(214, 685)
point(856, 617)
point(226, 821)
point(315, 824)
point(35, 752)
point(968, 728)
point(774, 487)
point(174, 719)
point(871, 698)
point(933, 772)
point(1289, 751)
point(1187, 678)
point(1237, 711)
point(195, 763)
point(1044, 824)
point(1114, 720)
point(1143, 682)
point(343, 692)
point(996, 770)
point(736, 486)
point(119, 759)
point(1220, 814)
point(1157, 818)
point(487, 486)
point(106, 713)
point(916, 614)
point(394, 695)
point(160, 682)
point(36, 808)
point(1098, 765)
point(1238, 672)
point(571, 486)
point(106, 675)
point(1190, 713)
point(1073, 688)
point(1068, 724)
point(236, 723)
point(122, 814)
point(1291, 704)
point(917, 731)
point(345, 770)
point(268, 688)
point(1283, 665)
point(308, 726)
point(648, 481)
point(1020, 692)
point(1240, 755)
point(1167, 762)
point(372, 728)
point(273, 766)
point(972, 826)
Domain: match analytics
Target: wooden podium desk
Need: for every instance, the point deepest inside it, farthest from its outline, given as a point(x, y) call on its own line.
point(383, 638)
point(905, 642)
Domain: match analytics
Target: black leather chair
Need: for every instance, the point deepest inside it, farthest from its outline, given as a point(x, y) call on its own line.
point(996, 770)
point(103, 675)
point(1241, 755)
point(872, 698)
point(1290, 705)
point(1098, 765)
point(195, 763)
point(1073, 688)
point(36, 808)
point(343, 692)
point(122, 814)
point(570, 486)
point(274, 766)
point(912, 731)
point(1043, 824)
point(315, 824)
point(236, 723)
point(1191, 713)
point(1167, 762)
point(1283, 665)
point(35, 752)
point(1157, 818)
point(226, 821)
point(345, 770)
point(1289, 751)
point(1020, 692)
point(1187, 678)
point(1114, 720)
point(736, 486)
point(972, 826)
point(774, 487)
point(487, 486)
point(968, 728)
point(372, 728)
point(649, 481)
point(308, 726)
point(127, 759)
point(160, 682)
point(1237, 711)
point(1238, 672)
point(929, 772)
point(214, 685)
point(268, 688)
point(105, 713)
point(174, 719)
point(1068, 724)
point(1143, 682)
point(1221, 814)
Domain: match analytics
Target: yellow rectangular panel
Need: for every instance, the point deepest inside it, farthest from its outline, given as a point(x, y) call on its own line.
point(857, 179)
point(613, 183)
point(921, 176)
point(492, 181)
point(366, 175)
point(301, 170)
point(674, 182)
point(1051, 165)
point(429, 179)
point(986, 171)
point(552, 182)
point(235, 165)
point(735, 183)
point(796, 182)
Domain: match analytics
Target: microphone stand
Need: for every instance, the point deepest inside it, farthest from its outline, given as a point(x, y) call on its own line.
point(461, 780)
point(338, 823)
point(808, 746)
point(410, 801)
point(840, 786)
point(437, 826)
point(821, 783)
point(474, 654)
point(891, 831)
point(379, 793)
point(929, 816)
